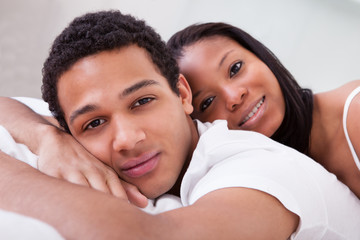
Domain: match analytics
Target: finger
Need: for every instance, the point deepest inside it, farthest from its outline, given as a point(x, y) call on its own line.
point(116, 187)
point(77, 178)
point(53, 173)
point(49, 169)
point(134, 195)
point(98, 182)
point(111, 185)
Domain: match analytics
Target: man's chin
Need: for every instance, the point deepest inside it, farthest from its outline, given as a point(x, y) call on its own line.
point(152, 193)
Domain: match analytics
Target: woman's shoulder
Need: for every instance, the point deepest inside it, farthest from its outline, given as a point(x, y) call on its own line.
point(351, 95)
point(335, 98)
point(328, 114)
point(344, 90)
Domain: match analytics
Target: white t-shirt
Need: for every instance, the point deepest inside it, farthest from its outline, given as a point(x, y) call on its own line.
point(233, 158)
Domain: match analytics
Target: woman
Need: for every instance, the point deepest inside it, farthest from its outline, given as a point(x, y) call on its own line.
point(234, 77)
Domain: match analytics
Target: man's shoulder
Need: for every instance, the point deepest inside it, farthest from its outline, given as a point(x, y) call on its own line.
point(219, 128)
point(216, 136)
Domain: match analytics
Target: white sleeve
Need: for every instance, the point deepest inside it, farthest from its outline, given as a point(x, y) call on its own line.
point(254, 169)
point(326, 207)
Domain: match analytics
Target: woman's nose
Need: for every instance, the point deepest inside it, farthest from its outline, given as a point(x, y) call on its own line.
point(234, 96)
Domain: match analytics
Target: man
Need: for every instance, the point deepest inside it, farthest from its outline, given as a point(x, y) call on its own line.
point(111, 83)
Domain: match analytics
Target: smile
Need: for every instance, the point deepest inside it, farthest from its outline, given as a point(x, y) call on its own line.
point(253, 111)
point(140, 166)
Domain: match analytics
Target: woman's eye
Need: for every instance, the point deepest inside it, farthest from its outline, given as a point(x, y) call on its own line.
point(234, 69)
point(95, 123)
point(206, 103)
point(143, 101)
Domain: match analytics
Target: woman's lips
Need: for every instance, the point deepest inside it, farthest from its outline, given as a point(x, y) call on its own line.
point(141, 165)
point(253, 111)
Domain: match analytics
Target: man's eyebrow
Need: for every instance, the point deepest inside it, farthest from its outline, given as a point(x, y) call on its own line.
point(124, 93)
point(137, 86)
point(82, 110)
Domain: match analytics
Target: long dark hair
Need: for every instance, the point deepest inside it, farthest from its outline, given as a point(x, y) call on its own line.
point(296, 126)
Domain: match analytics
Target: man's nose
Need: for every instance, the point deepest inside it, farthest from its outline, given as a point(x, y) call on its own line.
point(126, 134)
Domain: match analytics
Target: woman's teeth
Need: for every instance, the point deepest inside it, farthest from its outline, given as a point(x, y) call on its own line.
point(253, 111)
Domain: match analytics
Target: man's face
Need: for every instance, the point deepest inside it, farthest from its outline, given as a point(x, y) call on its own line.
point(122, 110)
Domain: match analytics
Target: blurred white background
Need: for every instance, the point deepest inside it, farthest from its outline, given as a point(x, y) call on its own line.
point(317, 40)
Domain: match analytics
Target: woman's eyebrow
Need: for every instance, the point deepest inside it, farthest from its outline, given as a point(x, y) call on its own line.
point(224, 57)
point(195, 95)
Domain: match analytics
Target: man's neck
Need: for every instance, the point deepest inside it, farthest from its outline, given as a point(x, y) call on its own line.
point(175, 190)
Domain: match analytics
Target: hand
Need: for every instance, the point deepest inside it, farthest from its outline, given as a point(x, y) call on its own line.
point(61, 156)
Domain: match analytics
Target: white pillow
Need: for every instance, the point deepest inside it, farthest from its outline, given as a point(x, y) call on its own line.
point(18, 227)
point(37, 105)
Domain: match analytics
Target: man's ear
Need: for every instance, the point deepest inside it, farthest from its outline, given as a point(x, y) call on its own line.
point(185, 94)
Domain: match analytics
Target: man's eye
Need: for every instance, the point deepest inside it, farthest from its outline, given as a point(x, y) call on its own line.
point(206, 103)
point(143, 101)
point(234, 69)
point(95, 123)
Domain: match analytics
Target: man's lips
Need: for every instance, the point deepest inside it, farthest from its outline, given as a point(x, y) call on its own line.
point(253, 111)
point(139, 166)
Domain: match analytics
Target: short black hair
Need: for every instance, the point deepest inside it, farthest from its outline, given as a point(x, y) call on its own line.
point(296, 126)
point(96, 32)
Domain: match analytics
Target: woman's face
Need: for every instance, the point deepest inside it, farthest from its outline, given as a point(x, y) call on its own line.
point(229, 82)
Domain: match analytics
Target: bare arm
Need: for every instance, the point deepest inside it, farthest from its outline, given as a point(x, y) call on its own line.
point(239, 213)
point(60, 155)
point(25, 126)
